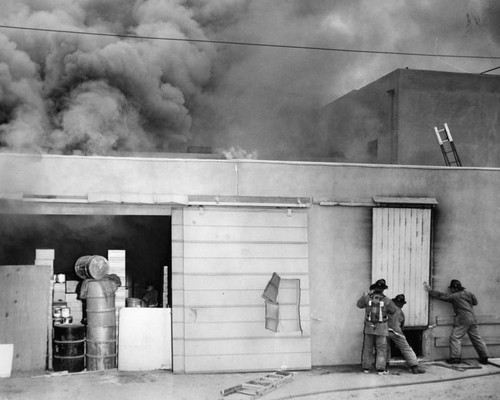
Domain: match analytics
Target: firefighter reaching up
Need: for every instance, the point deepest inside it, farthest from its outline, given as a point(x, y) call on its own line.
point(377, 308)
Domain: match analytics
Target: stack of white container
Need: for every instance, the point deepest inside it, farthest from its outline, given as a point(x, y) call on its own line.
point(74, 304)
point(45, 257)
point(116, 260)
point(165, 286)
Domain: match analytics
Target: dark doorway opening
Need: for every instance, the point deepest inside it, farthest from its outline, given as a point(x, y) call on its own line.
point(145, 239)
point(414, 339)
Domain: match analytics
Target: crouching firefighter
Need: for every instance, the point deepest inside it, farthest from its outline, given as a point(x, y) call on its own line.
point(396, 335)
point(377, 308)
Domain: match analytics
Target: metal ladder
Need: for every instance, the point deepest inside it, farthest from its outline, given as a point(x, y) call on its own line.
point(256, 388)
point(447, 146)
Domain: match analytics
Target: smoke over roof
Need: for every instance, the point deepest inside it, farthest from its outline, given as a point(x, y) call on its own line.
point(68, 93)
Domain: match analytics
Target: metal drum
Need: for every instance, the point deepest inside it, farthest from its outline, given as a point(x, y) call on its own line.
point(92, 267)
point(101, 328)
point(69, 348)
point(135, 302)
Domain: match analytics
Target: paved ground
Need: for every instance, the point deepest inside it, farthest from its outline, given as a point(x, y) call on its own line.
point(339, 383)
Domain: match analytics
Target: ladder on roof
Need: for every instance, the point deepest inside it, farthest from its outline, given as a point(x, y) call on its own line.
point(447, 146)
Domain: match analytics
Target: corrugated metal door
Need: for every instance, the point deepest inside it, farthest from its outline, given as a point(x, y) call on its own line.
point(401, 256)
point(223, 259)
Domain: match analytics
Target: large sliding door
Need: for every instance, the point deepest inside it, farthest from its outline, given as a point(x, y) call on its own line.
point(223, 258)
point(401, 255)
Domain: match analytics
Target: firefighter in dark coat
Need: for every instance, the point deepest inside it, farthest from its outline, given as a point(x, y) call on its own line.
point(465, 321)
point(377, 308)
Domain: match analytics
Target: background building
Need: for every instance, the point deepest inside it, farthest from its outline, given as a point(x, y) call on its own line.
point(392, 120)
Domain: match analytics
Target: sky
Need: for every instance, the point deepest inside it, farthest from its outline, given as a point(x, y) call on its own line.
point(69, 93)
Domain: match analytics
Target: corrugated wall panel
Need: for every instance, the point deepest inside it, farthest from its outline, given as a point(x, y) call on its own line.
point(228, 257)
point(401, 255)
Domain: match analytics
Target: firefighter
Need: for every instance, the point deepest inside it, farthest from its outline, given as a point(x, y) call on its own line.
point(465, 321)
point(396, 322)
point(377, 308)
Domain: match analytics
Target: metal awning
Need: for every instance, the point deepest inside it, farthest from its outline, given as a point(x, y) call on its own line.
point(405, 201)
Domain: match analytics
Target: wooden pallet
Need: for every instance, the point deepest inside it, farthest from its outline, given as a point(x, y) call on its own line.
point(256, 388)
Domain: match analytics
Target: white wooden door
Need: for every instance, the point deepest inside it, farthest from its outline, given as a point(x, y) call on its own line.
point(401, 256)
point(223, 259)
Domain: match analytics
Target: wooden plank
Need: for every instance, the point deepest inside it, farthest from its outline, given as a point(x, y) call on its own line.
point(229, 298)
point(412, 308)
point(282, 266)
point(445, 341)
point(481, 319)
point(271, 234)
point(245, 250)
point(246, 217)
point(271, 345)
point(23, 314)
point(233, 330)
point(242, 362)
point(238, 314)
point(268, 334)
point(177, 298)
point(240, 282)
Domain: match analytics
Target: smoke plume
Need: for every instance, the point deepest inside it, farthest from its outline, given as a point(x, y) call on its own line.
point(85, 94)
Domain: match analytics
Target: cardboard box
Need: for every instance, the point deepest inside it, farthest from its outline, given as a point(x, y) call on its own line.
point(45, 254)
point(71, 286)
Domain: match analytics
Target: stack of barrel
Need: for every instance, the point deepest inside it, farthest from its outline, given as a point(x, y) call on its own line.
point(98, 293)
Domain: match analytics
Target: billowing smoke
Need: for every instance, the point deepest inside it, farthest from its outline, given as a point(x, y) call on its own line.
point(76, 93)
point(68, 93)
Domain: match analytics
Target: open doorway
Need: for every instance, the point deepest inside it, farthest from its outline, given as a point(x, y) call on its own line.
point(145, 239)
point(414, 339)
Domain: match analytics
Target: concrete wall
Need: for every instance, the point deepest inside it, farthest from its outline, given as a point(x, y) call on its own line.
point(465, 229)
point(422, 100)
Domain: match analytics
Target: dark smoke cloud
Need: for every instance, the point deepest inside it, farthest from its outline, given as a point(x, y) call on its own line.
point(266, 97)
point(73, 93)
point(98, 95)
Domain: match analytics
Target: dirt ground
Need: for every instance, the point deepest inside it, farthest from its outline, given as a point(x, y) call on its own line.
point(322, 383)
point(483, 388)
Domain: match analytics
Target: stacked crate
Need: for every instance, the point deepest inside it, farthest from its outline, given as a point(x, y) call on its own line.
point(59, 292)
point(116, 260)
point(165, 286)
point(46, 257)
point(73, 302)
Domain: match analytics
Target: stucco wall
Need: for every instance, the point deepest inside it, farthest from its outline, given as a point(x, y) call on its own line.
point(465, 224)
point(465, 235)
point(468, 103)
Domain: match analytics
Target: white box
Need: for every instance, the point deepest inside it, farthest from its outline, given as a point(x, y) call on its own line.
point(71, 286)
point(145, 339)
point(6, 357)
point(45, 254)
point(44, 261)
point(116, 254)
